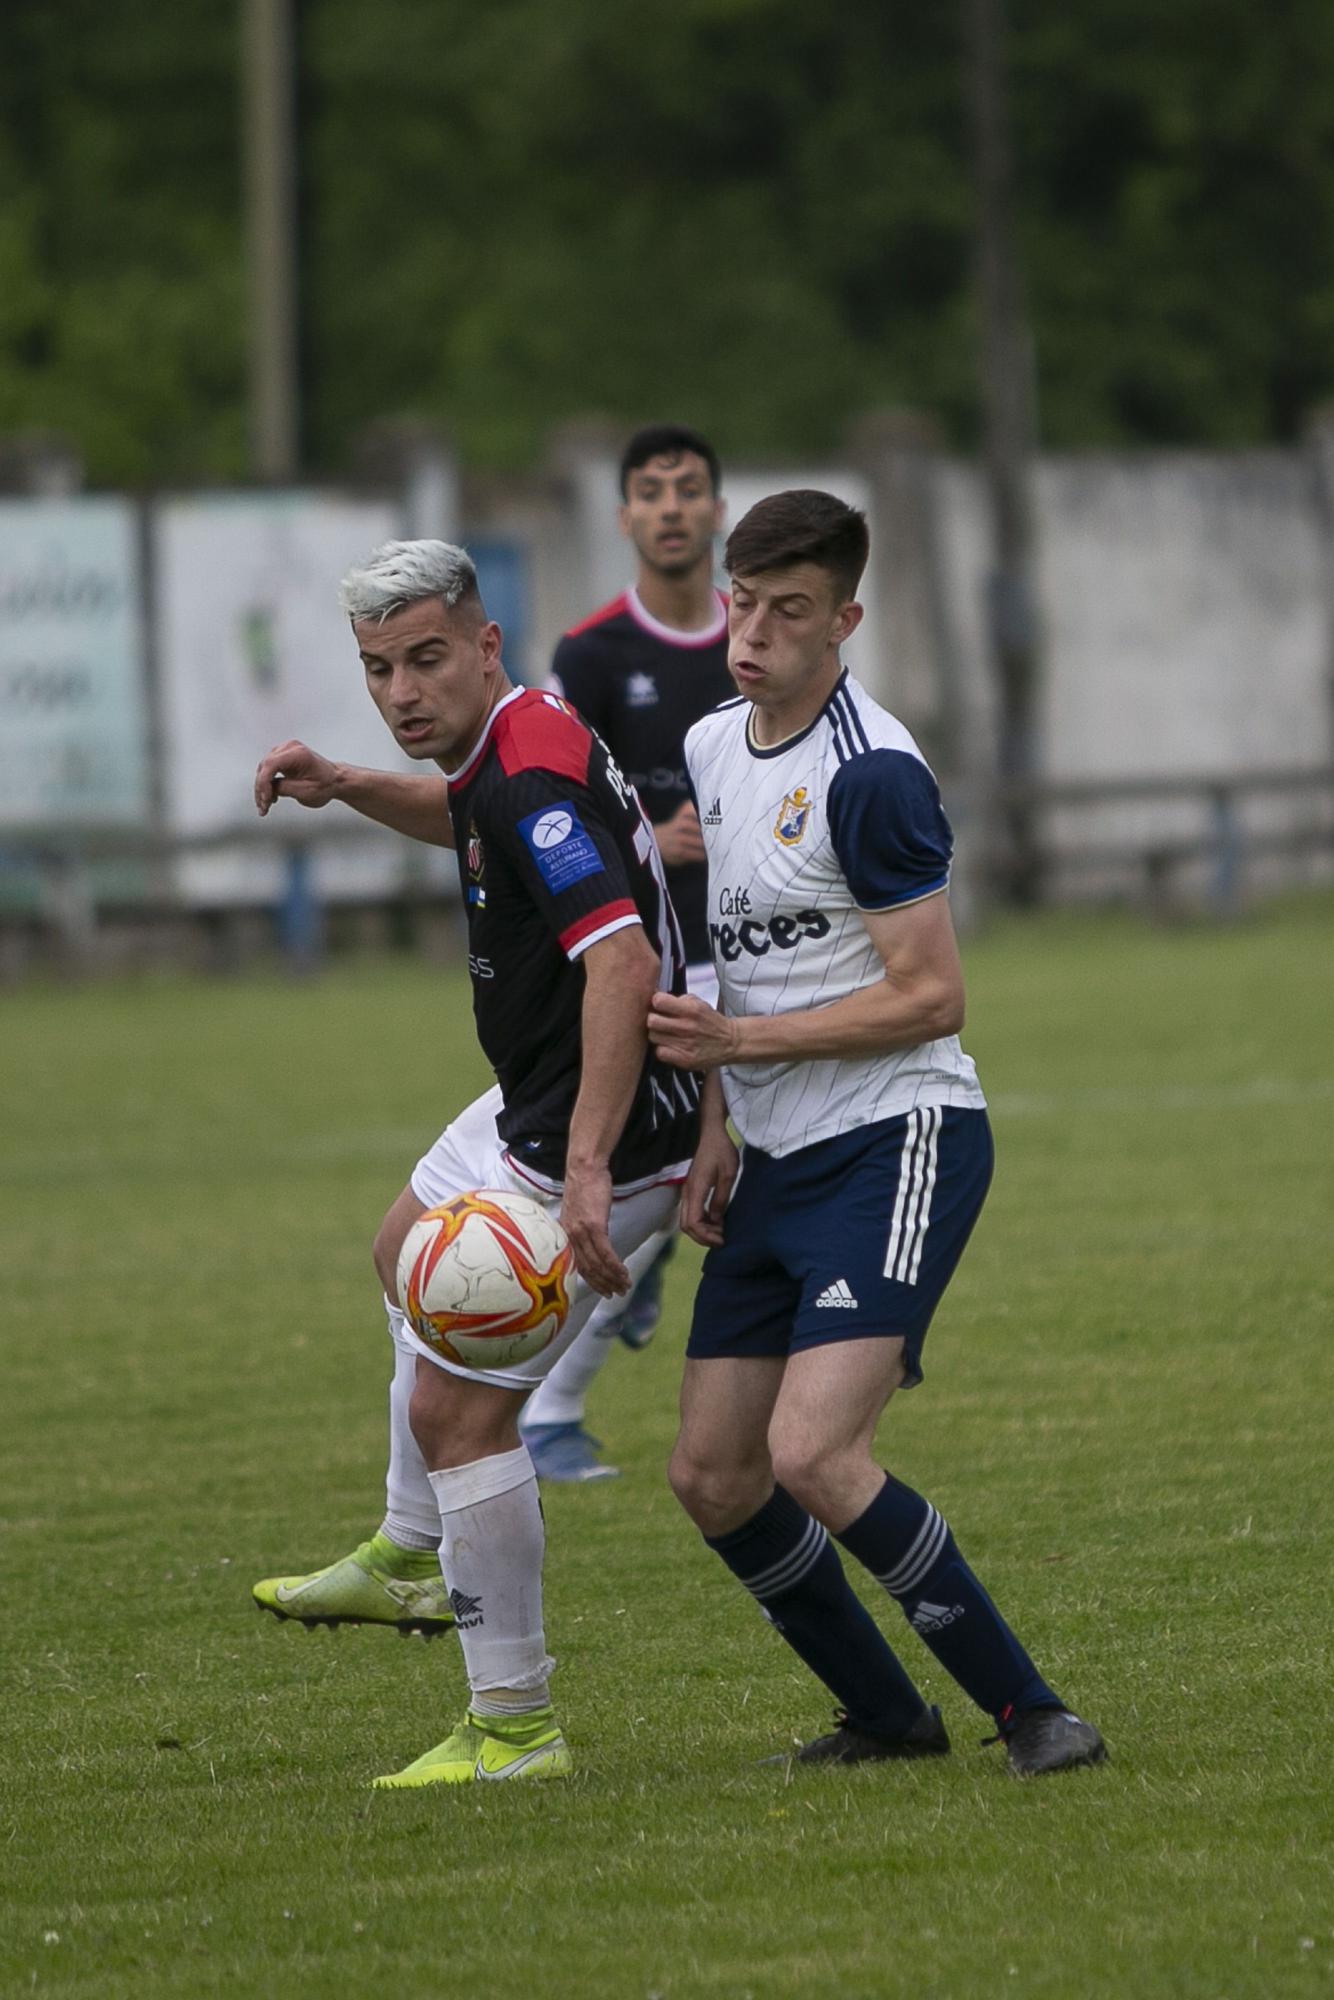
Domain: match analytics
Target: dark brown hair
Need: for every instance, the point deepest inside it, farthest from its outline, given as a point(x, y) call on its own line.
point(667, 441)
point(801, 526)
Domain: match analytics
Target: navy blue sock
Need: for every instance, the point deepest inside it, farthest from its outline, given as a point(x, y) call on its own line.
point(786, 1562)
point(906, 1546)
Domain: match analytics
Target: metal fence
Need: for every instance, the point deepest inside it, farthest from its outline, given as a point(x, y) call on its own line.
point(76, 922)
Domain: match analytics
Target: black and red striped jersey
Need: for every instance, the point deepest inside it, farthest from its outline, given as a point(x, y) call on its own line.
point(641, 684)
point(554, 853)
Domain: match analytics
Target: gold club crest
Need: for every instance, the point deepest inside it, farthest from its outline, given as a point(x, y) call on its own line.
point(793, 817)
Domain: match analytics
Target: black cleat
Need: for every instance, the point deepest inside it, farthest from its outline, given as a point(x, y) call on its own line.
point(849, 1744)
point(1039, 1740)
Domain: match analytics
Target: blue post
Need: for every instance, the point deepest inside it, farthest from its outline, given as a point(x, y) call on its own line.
point(301, 914)
point(1227, 852)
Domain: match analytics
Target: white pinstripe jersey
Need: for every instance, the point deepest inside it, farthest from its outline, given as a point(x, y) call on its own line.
point(802, 838)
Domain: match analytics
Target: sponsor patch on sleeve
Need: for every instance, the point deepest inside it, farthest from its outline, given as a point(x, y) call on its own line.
point(561, 847)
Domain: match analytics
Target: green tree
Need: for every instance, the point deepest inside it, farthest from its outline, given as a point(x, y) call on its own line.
point(120, 299)
point(745, 212)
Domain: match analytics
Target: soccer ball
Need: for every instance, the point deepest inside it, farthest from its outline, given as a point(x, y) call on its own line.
point(485, 1278)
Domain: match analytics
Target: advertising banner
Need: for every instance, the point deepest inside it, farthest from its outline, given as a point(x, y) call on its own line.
point(73, 708)
point(253, 649)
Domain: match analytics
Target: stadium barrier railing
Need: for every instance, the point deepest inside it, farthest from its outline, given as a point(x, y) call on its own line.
point(63, 865)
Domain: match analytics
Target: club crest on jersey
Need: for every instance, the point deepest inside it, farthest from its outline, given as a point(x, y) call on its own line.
point(794, 816)
point(476, 860)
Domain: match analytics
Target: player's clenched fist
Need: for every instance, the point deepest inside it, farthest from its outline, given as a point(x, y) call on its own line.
point(690, 1033)
point(294, 771)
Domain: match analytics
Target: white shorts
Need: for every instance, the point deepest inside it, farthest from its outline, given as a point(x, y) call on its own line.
point(470, 1153)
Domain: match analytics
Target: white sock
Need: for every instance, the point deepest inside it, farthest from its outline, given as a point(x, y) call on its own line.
point(491, 1556)
point(560, 1398)
point(411, 1517)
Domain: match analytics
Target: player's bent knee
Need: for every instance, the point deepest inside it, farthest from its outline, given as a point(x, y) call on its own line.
point(814, 1479)
point(718, 1497)
point(455, 1421)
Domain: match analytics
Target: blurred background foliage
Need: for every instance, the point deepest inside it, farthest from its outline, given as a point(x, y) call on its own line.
point(749, 213)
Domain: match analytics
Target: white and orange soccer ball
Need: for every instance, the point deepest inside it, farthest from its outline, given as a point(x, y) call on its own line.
point(485, 1278)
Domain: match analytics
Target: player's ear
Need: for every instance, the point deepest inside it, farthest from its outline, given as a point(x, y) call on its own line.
point(849, 617)
point(490, 640)
point(623, 520)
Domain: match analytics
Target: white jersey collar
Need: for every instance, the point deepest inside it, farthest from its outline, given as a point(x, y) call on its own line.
point(455, 777)
point(779, 749)
point(671, 635)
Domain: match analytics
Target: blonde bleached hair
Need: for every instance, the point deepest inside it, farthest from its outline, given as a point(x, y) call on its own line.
point(401, 573)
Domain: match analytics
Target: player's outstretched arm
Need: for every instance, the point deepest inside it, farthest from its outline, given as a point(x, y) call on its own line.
point(620, 973)
point(417, 807)
point(713, 1170)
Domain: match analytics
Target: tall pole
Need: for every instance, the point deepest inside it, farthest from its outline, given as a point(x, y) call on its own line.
point(1009, 428)
point(268, 86)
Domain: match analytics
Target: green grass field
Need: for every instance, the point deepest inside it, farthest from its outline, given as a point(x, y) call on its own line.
point(1126, 1417)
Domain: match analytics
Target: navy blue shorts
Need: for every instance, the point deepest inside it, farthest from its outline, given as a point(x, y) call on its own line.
point(852, 1237)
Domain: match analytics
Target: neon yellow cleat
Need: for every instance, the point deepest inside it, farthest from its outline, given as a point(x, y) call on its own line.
point(363, 1589)
point(489, 1747)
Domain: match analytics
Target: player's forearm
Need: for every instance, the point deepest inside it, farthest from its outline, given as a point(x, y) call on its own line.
point(417, 807)
point(873, 1021)
point(620, 975)
point(712, 1104)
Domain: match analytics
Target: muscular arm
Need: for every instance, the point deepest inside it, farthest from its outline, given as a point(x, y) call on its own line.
point(417, 807)
point(918, 998)
point(620, 974)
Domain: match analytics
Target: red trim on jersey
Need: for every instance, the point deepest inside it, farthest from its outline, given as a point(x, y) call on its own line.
point(608, 914)
point(599, 617)
point(472, 762)
point(543, 734)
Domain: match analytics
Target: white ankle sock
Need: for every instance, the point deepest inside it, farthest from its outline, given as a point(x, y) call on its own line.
point(491, 1555)
point(411, 1517)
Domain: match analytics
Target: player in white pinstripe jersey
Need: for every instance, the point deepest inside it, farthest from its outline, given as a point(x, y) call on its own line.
point(866, 1157)
point(787, 836)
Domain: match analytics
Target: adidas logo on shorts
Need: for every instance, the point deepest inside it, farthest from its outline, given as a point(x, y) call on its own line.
point(837, 1294)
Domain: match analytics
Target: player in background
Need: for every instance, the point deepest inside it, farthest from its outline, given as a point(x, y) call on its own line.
point(866, 1156)
point(569, 932)
point(641, 670)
